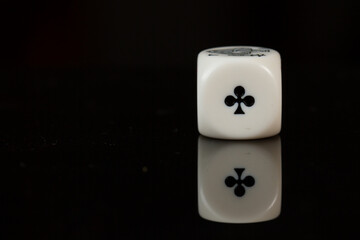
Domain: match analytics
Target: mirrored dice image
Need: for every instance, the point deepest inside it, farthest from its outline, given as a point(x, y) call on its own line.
point(239, 181)
point(239, 92)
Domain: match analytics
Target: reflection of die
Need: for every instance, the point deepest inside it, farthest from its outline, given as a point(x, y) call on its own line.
point(239, 92)
point(239, 181)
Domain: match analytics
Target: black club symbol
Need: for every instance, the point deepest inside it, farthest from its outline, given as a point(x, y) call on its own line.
point(239, 91)
point(239, 190)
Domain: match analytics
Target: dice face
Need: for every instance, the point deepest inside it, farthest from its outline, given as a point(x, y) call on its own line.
point(239, 93)
point(239, 181)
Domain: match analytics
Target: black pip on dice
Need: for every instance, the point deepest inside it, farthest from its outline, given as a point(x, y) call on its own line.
point(239, 92)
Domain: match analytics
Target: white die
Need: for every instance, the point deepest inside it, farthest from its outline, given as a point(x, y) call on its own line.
point(239, 92)
point(257, 164)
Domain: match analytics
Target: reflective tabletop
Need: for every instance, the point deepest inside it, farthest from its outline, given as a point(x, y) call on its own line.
point(111, 153)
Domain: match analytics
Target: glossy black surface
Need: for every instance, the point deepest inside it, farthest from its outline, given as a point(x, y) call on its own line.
point(82, 155)
point(98, 135)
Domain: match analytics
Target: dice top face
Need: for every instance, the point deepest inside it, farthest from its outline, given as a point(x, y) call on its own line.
point(239, 51)
point(239, 181)
point(239, 93)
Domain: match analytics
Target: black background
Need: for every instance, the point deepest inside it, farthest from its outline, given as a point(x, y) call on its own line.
point(98, 132)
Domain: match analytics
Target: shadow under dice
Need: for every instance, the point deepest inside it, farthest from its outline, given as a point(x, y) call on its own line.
point(239, 182)
point(239, 93)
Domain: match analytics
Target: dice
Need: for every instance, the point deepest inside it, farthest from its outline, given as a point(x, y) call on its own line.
point(239, 92)
point(239, 181)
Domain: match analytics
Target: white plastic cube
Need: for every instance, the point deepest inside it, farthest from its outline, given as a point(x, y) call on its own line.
point(239, 92)
point(239, 181)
